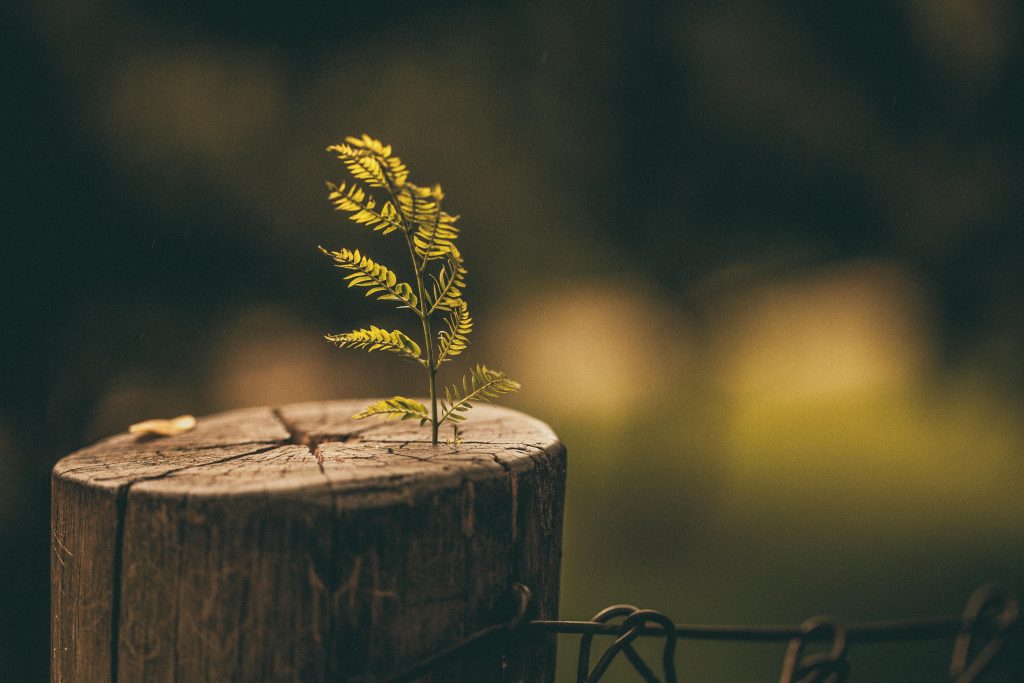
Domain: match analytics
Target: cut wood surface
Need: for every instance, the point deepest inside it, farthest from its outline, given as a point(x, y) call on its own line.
point(296, 544)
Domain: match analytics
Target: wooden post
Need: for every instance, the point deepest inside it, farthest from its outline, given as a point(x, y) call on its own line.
point(295, 544)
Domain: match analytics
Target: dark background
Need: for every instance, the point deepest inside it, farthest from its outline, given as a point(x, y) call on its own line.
point(759, 263)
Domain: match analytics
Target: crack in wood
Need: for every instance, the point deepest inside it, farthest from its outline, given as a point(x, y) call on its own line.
point(115, 607)
point(301, 438)
point(121, 498)
point(184, 468)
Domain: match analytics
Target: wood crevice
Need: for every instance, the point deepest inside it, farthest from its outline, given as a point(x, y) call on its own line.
point(115, 606)
point(300, 437)
point(167, 474)
point(121, 502)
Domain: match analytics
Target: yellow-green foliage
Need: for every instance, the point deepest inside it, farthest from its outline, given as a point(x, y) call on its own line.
point(377, 278)
point(416, 213)
point(483, 384)
point(363, 208)
point(395, 408)
point(455, 339)
point(376, 339)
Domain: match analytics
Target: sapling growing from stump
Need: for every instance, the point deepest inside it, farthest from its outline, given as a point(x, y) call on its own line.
point(382, 198)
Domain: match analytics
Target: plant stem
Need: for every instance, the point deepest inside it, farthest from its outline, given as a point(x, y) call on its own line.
point(424, 315)
point(427, 340)
point(432, 374)
point(434, 424)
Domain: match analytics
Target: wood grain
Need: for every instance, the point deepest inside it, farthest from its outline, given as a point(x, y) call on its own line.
point(295, 544)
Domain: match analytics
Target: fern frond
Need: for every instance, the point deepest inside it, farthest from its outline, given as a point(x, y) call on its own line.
point(435, 239)
point(371, 161)
point(445, 293)
point(482, 384)
point(435, 228)
point(455, 339)
point(377, 339)
point(419, 204)
point(378, 278)
point(362, 208)
point(396, 408)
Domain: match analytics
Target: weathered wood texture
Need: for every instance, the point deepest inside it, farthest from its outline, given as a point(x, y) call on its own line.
point(295, 544)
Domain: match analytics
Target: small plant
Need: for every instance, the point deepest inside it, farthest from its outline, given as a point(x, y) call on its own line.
point(415, 213)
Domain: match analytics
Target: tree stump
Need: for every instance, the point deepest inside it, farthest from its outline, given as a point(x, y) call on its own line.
point(295, 544)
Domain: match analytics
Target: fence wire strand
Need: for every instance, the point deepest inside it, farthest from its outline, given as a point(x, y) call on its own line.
point(979, 635)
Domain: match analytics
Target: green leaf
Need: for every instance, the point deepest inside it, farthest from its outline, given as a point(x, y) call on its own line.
point(377, 339)
point(455, 339)
point(445, 292)
point(362, 208)
point(396, 408)
point(436, 239)
point(482, 384)
point(371, 161)
point(419, 204)
point(435, 229)
point(379, 279)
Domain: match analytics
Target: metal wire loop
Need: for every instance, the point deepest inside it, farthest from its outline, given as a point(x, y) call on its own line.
point(824, 667)
point(632, 626)
point(645, 616)
point(583, 673)
point(990, 612)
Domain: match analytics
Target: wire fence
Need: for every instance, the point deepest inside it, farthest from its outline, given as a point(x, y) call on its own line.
point(980, 636)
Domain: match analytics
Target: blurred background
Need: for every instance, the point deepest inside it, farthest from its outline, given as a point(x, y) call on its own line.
point(758, 263)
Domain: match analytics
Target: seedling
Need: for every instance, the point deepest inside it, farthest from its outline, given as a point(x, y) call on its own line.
point(439, 274)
